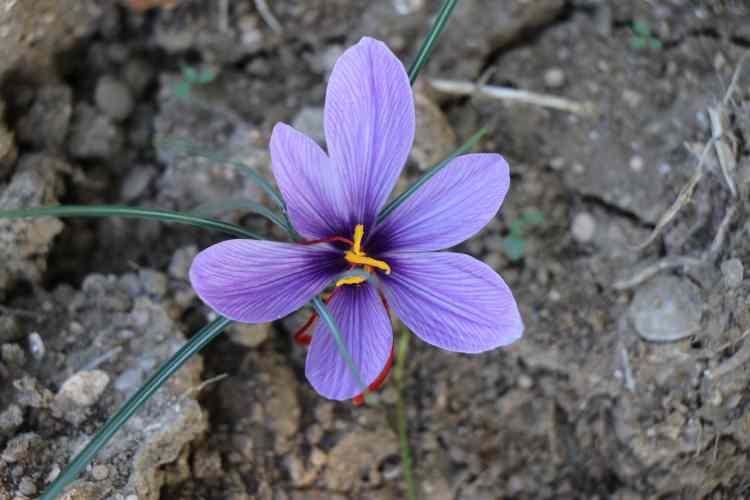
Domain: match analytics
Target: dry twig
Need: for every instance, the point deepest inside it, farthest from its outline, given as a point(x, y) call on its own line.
point(682, 199)
point(650, 271)
point(265, 12)
point(457, 87)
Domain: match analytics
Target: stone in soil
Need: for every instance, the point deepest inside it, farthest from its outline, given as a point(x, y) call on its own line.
point(114, 98)
point(24, 244)
point(45, 124)
point(667, 308)
point(94, 135)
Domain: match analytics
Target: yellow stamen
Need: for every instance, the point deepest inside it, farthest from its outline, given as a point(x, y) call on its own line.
point(359, 233)
point(354, 280)
point(353, 258)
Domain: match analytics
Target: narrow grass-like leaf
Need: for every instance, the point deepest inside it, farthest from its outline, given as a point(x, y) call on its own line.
point(393, 205)
point(81, 461)
point(130, 213)
point(325, 315)
point(429, 42)
point(213, 208)
point(187, 148)
point(403, 435)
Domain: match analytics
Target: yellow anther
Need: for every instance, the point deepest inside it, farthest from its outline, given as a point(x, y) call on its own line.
point(359, 233)
point(353, 258)
point(353, 280)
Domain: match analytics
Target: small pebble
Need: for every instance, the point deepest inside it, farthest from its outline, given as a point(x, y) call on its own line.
point(84, 388)
point(137, 181)
point(733, 272)
point(525, 382)
point(114, 98)
point(12, 354)
point(249, 335)
point(100, 472)
point(26, 486)
point(36, 346)
point(667, 308)
point(310, 121)
point(181, 261)
point(557, 163)
point(554, 78)
point(583, 227)
point(636, 163)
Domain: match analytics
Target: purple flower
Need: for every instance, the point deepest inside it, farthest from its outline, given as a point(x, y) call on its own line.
point(449, 300)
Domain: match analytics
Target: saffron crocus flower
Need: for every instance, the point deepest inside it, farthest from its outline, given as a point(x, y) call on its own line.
point(449, 300)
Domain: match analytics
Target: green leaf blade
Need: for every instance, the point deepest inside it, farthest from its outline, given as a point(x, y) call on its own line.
point(425, 50)
point(131, 213)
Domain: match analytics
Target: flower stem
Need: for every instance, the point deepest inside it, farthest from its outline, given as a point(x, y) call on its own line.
point(403, 436)
point(429, 42)
point(81, 461)
point(128, 212)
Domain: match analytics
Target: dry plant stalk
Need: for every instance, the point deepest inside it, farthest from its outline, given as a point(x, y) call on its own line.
point(144, 5)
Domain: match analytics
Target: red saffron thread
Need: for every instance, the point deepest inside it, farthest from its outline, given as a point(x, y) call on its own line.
point(378, 382)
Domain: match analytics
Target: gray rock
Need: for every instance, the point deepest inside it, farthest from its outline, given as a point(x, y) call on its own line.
point(154, 282)
point(114, 98)
point(137, 182)
point(12, 354)
point(310, 121)
point(249, 335)
point(554, 78)
point(45, 125)
point(33, 31)
point(667, 308)
point(583, 227)
point(181, 260)
point(11, 419)
point(83, 389)
point(26, 486)
point(24, 244)
point(10, 328)
point(36, 346)
point(93, 136)
point(733, 272)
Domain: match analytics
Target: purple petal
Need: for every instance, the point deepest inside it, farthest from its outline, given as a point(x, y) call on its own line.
point(449, 208)
point(369, 125)
point(309, 184)
point(366, 331)
point(259, 281)
point(452, 301)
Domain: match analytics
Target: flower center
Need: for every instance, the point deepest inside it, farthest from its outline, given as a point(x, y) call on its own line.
point(357, 257)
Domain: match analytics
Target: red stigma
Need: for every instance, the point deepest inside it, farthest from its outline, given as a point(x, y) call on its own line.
point(378, 382)
point(302, 337)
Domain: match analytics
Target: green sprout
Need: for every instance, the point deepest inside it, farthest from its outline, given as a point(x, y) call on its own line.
point(643, 37)
point(192, 76)
point(514, 244)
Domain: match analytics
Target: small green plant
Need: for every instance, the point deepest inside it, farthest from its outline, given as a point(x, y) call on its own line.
point(515, 243)
point(193, 76)
point(643, 37)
